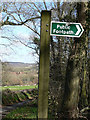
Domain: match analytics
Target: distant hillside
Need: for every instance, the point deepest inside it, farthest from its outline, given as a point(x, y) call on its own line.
point(21, 64)
point(18, 73)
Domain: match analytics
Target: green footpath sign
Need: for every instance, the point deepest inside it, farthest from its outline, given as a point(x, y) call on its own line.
point(66, 29)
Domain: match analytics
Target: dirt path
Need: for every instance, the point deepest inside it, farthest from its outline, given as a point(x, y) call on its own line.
point(7, 109)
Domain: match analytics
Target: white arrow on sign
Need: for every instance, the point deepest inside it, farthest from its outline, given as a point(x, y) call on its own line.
point(79, 30)
point(67, 29)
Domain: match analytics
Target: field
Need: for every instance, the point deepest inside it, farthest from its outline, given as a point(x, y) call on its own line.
point(15, 88)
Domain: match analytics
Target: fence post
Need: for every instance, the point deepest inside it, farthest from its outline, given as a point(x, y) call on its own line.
point(44, 64)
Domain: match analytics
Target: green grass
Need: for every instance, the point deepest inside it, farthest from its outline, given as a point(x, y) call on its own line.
point(23, 112)
point(28, 111)
point(19, 87)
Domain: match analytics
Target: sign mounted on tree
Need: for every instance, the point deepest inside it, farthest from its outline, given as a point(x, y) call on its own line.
point(66, 29)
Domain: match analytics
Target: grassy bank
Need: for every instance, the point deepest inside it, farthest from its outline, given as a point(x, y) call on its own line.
point(10, 97)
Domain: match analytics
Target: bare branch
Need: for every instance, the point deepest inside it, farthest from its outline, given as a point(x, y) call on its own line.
point(14, 17)
point(36, 7)
point(32, 29)
point(5, 45)
point(54, 4)
point(45, 4)
point(9, 45)
point(58, 8)
point(26, 45)
point(84, 109)
point(6, 37)
point(20, 17)
point(21, 23)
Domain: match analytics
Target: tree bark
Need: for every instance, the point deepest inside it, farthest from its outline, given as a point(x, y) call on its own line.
point(71, 93)
point(82, 9)
point(72, 83)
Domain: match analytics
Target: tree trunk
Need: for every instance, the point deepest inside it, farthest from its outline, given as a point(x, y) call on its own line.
point(71, 94)
point(82, 15)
